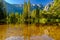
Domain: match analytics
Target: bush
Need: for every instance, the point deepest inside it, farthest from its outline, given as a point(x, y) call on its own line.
point(43, 20)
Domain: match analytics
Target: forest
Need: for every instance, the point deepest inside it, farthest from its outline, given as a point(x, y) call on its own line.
point(36, 16)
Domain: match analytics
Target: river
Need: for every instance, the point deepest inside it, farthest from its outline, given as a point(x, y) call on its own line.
point(22, 32)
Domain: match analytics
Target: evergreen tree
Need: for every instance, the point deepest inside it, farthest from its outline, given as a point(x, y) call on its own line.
point(29, 12)
point(29, 5)
point(25, 12)
point(33, 16)
point(2, 13)
point(12, 18)
point(17, 16)
point(37, 14)
point(25, 9)
point(55, 10)
point(33, 13)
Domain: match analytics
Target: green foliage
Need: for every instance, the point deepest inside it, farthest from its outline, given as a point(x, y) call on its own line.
point(2, 14)
point(11, 18)
point(17, 16)
point(43, 20)
point(33, 13)
point(52, 16)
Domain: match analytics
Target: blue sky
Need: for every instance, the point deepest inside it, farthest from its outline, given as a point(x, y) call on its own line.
point(44, 2)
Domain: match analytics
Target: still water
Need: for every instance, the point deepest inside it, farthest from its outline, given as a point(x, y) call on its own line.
point(16, 32)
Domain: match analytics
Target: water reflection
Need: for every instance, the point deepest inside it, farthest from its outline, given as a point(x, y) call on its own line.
point(14, 33)
point(15, 38)
point(43, 37)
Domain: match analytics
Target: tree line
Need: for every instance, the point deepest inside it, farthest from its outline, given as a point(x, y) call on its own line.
point(36, 16)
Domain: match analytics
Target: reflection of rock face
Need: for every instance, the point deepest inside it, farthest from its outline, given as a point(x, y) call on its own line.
point(14, 31)
point(46, 37)
point(14, 38)
point(35, 38)
point(43, 37)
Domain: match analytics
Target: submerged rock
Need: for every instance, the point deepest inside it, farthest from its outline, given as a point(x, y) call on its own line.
point(43, 37)
point(15, 38)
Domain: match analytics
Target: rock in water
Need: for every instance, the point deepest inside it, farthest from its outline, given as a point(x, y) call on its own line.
point(46, 37)
point(43, 37)
point(15, 38)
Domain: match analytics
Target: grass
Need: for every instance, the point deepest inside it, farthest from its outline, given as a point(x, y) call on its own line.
point(28, 30)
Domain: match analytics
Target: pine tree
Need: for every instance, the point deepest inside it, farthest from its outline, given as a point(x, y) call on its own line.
point(12, 18)
point(54, 10)
point(17, 16)
point(37, 14)
point(29, 12)
point(2, 13)
point(25, 9)
point(25, 12)
point(33, 13)
point(55, 7)
point(29, 5)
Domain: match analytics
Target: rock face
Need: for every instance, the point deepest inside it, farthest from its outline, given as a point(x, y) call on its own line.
point(13, 8)
point(46, 8)
point(15, 38)
point(19, 7)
